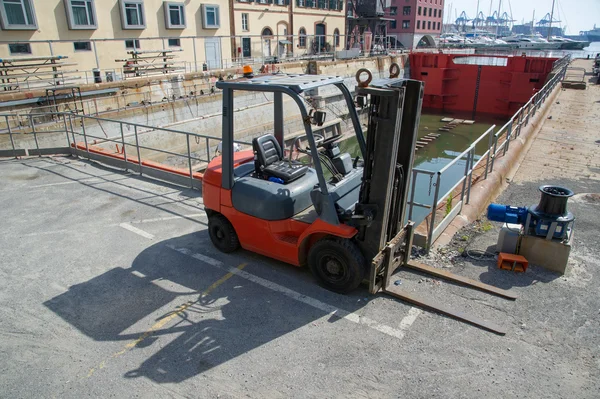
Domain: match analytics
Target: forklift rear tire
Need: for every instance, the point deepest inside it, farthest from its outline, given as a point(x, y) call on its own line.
point(222, 234)
point(337, 264)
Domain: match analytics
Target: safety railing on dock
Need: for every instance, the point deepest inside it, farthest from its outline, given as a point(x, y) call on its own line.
point(176, 155)
point(443, 207)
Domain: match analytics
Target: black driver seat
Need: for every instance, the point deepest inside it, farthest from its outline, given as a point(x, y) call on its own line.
point(268, 160)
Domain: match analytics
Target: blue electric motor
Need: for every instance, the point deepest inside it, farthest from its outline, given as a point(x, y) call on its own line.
point(549, 218)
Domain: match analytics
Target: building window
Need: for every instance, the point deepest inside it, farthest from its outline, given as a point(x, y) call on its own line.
point(430, 12)
point(132, 44)
point(406, 24)
point(82, 46)
point(418, 24)
point(174, 15)
point(17, 14)
point(267, 32)
point(302, 38)
point(174, 42)
point(419, 10)
point(425, 11)
point(245, 24)
point(406, 10)
point(336, 38)
point(428, 24)
point(438, 26)
point(81, 14)
point(435, 12)
point(132, 14)
point(300, 3)
point(393, 24)
point(19, 48)
point(393, 10)
point(210, 16)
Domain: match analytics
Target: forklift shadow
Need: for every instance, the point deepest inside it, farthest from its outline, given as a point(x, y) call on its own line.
point(231, 319)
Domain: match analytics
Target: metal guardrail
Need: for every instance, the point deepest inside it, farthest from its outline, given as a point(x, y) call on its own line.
point(498, 144)
point(80, 141)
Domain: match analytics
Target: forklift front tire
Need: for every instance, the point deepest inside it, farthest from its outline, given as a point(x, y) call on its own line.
point(337, 264)
point(222, 234)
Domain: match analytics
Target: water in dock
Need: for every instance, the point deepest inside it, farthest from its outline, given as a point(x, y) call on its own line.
point(439, 152)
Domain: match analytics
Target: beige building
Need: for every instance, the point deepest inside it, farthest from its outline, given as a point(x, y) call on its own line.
point(204, 33)
point(286, 27)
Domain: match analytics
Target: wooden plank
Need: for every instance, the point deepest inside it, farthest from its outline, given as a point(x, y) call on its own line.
point(460, 279)
point(154, 51)
point(146, 58)
point(34, 74)
point(20, 59)
point(434, 306)
point(57, 65)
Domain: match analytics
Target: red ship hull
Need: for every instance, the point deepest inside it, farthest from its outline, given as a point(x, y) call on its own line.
point(453, 86)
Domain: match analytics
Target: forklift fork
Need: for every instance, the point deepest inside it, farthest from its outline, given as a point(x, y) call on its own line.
point(396, 254)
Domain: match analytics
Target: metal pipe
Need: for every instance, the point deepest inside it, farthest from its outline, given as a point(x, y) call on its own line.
point(37, 146)
point(433, 212)
point(72, 130)
point(12, 142)
point(487, 161)
point(123, 145)
point(87, 149)
point(189, 153)
point(137, 146)
point(470, 174)
point(207, 150)
point(412, 193)
point(66, 131)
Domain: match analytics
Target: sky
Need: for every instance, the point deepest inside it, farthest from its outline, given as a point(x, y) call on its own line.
point(577, 15)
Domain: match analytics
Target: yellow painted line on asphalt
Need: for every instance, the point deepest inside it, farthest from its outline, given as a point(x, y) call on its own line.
point(166, 319)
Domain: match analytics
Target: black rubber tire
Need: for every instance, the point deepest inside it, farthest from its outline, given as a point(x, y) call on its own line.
point(337, 264)
point(222, 234)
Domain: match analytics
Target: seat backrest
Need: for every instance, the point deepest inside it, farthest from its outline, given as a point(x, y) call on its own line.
point(267, 150)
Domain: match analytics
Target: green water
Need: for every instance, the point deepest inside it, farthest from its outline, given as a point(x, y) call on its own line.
point(439, 153)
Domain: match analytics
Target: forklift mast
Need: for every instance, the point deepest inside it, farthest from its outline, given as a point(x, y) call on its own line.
point(394, 113)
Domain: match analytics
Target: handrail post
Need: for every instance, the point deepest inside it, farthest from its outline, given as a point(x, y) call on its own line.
point(412, 193)
point(137, 146)
point(37, 146)
point(470, 173)
point(465, 175)
point(87, 148)
point(189, 155)
point(487, 161)
point(12, 141)
point(494, 153)
point(508, 135)
point(72, 131)
point(123, 145)
point(433, 212)
point(66, 130)
point(207, 150)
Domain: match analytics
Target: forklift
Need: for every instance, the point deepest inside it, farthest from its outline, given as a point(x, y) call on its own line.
point(347, 225)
